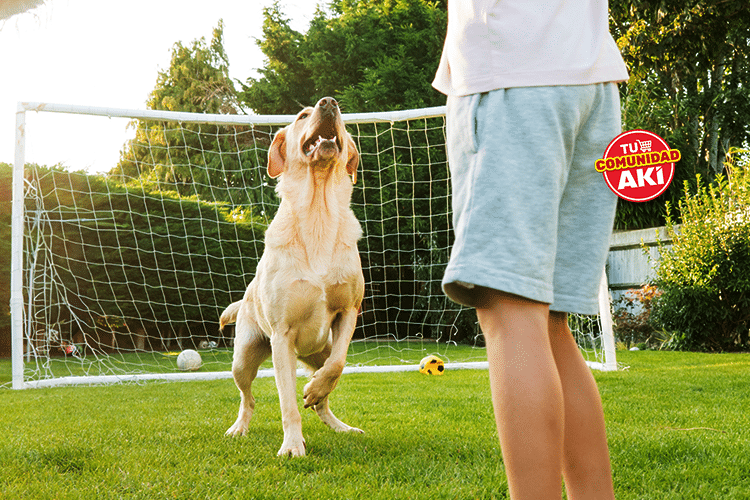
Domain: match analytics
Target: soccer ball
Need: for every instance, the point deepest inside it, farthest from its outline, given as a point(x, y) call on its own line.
point(431, 365)
point(189, 360)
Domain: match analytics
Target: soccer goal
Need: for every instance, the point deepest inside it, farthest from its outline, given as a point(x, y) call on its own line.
point(115, 273)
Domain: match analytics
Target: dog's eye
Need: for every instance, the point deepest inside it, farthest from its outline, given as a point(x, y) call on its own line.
point(304, 115)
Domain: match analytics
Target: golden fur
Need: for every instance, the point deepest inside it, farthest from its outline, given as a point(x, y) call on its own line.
point(304, 299)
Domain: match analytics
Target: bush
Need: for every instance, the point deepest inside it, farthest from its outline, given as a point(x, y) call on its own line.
point(632, 317)
point(128, 258)
point(705, 277)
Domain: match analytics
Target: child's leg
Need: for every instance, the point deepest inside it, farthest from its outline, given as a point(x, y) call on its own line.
point(526, 394)
point(586, 466)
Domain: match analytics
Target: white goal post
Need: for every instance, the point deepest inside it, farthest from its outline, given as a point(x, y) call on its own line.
point(113, 274)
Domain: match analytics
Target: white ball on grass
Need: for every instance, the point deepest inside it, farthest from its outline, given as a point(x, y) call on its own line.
point(189, 360)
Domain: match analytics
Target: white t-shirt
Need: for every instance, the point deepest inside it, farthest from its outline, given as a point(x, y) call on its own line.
point(494, 44)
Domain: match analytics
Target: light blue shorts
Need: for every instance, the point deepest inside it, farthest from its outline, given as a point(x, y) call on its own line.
point(531, 215)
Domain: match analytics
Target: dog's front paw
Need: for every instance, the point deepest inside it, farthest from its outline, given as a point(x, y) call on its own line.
point(317, 389)
point(292, 448)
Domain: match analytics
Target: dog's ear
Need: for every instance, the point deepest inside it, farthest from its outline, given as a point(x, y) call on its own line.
point(277, 154)
point(353, 161)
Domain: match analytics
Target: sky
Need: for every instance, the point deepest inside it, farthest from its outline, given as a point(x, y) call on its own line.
point(108, 54)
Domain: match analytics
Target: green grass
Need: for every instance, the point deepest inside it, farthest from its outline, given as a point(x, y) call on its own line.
point(678, 428)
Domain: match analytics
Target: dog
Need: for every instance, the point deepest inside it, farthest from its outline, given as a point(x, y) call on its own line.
point(304, 299)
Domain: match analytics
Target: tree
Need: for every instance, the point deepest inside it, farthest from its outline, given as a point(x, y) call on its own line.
point(388, 50)
point(286, 85)
point(689, 62)
point(197, 79)
point(371, 55)
point(210, 161)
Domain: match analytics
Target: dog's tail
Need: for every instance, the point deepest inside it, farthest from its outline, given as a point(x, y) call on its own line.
point(229, 315)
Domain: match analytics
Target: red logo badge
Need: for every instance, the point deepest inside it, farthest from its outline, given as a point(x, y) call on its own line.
point(638, 165)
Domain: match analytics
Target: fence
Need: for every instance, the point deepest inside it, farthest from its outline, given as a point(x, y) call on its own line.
point(628, 265)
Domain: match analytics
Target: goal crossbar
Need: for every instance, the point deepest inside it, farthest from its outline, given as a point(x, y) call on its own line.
point(218, 119)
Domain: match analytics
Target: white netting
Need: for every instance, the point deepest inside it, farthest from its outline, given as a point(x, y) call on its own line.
point(122, 271)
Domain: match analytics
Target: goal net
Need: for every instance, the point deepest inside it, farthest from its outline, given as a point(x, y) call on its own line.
point(115, 273)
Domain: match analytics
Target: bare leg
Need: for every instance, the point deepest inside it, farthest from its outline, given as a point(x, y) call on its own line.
point(586, 466)
point(526, 394)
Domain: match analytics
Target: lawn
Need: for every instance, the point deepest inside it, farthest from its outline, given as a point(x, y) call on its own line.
point(678, 426)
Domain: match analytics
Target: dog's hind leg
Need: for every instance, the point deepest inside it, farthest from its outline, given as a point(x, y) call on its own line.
point(251, 348)
point(315, 362)
point(328, 418)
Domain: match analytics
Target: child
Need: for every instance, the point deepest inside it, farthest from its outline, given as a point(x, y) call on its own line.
point(531, 106)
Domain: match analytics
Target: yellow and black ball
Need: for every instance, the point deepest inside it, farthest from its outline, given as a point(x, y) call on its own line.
point(431, 365)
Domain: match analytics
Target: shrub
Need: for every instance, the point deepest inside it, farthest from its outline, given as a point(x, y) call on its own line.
point(705, 277)
point(632, 316)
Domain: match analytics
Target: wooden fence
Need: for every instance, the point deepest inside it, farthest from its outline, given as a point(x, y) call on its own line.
point(633, 256)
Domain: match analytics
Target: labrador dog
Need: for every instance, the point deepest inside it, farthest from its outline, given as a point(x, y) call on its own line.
point(304, 299)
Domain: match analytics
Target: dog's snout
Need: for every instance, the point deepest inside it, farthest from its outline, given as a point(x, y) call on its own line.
point(328, 104)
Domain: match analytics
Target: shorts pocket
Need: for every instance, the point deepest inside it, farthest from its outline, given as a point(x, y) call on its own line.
point(462, 120)
point(474, 121)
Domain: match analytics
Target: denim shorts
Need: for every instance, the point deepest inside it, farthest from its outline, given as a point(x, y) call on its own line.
point(532, 217)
